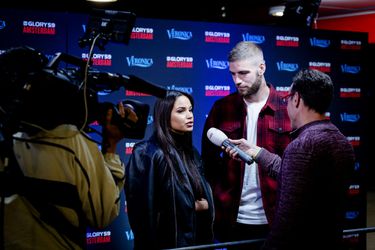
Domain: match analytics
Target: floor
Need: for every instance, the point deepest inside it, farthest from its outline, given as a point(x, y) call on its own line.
point(371, 219)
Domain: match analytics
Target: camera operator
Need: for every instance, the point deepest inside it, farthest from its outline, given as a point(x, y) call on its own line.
point(65, 184)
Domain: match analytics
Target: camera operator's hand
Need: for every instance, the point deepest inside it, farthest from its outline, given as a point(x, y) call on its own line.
point(130, 116)
point(111, 132)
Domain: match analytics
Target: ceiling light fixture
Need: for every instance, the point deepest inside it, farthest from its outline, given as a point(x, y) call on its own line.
point(277, 10)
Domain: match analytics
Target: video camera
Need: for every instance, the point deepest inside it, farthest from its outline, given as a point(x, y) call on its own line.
point(40, 92)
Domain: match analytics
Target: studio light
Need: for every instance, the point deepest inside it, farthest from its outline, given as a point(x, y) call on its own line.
point(277, 10)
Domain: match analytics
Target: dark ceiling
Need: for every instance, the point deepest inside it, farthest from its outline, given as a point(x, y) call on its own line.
point(231, 11)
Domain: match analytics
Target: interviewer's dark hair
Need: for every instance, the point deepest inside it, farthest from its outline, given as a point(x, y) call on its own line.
point(315, 88)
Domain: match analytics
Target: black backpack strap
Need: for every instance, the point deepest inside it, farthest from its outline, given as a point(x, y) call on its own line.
point(45, 195)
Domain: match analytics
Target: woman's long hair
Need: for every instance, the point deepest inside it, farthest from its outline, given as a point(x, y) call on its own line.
point(164, 135)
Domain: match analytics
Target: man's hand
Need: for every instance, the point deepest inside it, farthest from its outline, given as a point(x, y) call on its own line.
point(245, 146)
point(111, 132)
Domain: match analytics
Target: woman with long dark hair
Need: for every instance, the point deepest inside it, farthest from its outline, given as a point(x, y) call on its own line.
point(169, 201)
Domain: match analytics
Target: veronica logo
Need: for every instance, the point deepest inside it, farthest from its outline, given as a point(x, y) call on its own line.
point(253, 38)
point(188, 90)
point(345, 117)
point(211, 63)
point(150, 119)
point(350, 69)
point(49, 56)
point(351, 215)
point(357, 166)
point(2, 24)
point(291, 67)
point(315, 42)
point(129, 235)
point(139, 62)
point(181, 35)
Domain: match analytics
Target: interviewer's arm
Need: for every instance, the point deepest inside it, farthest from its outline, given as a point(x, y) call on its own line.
point(267, 160)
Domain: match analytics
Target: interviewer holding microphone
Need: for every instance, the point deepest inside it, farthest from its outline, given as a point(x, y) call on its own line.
point(313, 174)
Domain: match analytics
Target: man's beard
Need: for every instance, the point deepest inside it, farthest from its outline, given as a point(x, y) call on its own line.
point(254, 88)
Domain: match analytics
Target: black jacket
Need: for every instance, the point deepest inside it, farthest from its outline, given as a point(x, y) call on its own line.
point(161, 209)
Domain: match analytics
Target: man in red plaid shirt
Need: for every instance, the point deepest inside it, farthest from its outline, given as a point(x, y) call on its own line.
point(244, 195)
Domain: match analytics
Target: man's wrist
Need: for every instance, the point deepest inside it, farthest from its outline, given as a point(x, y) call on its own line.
point(254, 152)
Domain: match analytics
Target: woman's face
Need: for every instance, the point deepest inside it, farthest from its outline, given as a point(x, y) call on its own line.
point(182, 118)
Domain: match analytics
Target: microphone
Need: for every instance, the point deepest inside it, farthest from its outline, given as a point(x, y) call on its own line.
point(218, 138)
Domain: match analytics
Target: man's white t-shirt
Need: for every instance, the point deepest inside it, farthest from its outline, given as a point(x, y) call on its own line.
point(251, 206)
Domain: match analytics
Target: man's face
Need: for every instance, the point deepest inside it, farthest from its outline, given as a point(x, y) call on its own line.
point(245, 75)
point(291, 98)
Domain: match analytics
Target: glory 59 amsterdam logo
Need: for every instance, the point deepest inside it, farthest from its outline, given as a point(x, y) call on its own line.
point(142, 33)
point(216, 37)
point(98, 237)
point(99, 59)
point(179, 62)
point(39, 27)
point(287, 41)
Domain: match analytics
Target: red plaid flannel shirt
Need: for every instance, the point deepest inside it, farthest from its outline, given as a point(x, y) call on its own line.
point(225, 174)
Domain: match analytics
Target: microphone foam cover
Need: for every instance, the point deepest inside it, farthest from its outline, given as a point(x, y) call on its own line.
point(216, 136)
